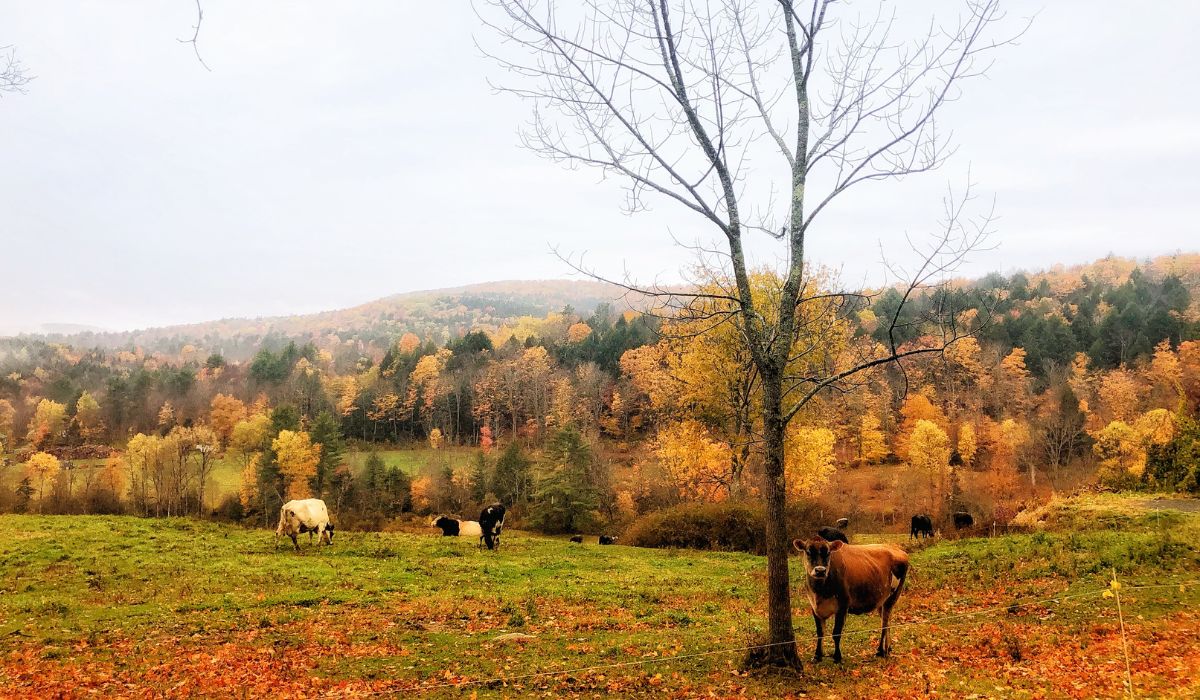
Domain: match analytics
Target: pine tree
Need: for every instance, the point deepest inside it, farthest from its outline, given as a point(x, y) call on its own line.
point(566, 498)
point(511, 481)
point(479, 478)
point(327, 432)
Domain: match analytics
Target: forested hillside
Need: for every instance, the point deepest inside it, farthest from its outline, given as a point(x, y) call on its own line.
point(1069, 375)
point(436, 315)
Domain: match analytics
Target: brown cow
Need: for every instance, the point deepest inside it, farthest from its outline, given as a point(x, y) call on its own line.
point(847, 578)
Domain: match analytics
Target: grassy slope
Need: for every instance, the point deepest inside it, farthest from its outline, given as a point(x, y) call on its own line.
point(173, 606)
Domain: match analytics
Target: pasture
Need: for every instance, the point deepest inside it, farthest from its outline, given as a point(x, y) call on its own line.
point(140, 607)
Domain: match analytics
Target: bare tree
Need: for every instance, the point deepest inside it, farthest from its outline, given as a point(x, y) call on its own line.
point(719, 105)
point(13, 76)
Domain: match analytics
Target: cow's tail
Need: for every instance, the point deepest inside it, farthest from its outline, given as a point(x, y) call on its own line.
point(899, 576)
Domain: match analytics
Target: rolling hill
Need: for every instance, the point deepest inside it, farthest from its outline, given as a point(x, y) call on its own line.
point(436, 314)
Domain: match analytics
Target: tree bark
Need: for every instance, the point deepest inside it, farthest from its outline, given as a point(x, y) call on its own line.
point(781, 634)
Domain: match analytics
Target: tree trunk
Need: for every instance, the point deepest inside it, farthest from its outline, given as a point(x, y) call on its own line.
point(781, 635)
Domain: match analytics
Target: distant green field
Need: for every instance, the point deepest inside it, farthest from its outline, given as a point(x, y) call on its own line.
point(132, 606)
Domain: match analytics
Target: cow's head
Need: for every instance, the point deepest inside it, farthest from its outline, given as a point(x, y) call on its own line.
point(816, 556)
point(329, 532)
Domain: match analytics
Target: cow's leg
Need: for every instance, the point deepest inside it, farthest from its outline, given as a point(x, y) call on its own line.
point(839, 621)
point(885, 643)
point(295, 543)
point(885, 634)
point(820, 653)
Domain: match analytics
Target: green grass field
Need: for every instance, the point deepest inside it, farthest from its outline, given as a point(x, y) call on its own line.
point(227, 474)
point(130, 606)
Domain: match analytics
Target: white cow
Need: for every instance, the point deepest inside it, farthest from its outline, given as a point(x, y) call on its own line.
point(308, 515)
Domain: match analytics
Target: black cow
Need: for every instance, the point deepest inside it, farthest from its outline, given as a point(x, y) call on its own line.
point(831, 534)
point(577, 539)
point(963, 520)
point(922, 525)
point(491, 522)
point(608, 539)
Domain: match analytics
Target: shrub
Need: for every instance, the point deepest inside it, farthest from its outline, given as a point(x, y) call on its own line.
point(729, 526)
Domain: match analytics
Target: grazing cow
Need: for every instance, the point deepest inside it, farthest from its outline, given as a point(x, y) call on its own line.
point(577, 539)
point(453, 527)
point(856, 579)
point(832, 534)
point(842, 523)
point(308, 515)
point(963, 520)
point(608, 539)
point(491, 521)
point(922, 526)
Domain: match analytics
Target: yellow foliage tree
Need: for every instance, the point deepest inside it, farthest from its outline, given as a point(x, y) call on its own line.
point(872, 445)
point(578, 332)
point(1011, 436)
point(112, 478)
point(1166, 375)
point(917, 407)
point(224, 413)
point(46, 426)
point(1155, 427)
point(1120, 448)
point(8, 416)
point(1119, 397)
point(42, 467)
point(700, 466)
point(422, 494)
point(967, 444)
point(408, 342)
point(248, 488)
point(808, 459)
point(929, 455)
point(166, 415)
point(87, 416)
point(435, 438)
point(297, 457)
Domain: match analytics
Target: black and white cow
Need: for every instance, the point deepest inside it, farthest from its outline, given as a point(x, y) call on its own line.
point(577, 539)
point(491, 522)
point(608, 539)
point(453, 527)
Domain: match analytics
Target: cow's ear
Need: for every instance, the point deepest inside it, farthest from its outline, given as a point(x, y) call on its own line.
point(799, 545)
point(835, 545)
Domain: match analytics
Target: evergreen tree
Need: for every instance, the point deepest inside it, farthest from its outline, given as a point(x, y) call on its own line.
point(511, 480)
point(373, 487)
point(326, 432)
point(479, 480)
point(397, 487)
point(566, 498)
point(24, 495)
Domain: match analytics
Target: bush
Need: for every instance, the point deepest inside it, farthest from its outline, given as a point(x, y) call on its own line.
point(730, 526)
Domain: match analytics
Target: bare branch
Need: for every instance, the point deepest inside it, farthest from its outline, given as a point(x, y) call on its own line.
point(196, 36)
point(13, 76)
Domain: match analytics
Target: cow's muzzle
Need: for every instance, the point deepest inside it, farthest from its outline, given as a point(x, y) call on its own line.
point(820, 572)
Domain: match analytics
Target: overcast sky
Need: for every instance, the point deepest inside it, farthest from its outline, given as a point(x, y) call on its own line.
point(340, 152)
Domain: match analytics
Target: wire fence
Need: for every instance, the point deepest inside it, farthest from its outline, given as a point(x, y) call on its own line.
point(1113, 590)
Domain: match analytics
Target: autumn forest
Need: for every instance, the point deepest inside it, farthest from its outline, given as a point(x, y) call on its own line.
point(1070, 377)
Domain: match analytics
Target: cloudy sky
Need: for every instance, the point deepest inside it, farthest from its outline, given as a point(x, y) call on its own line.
point(339, 152)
